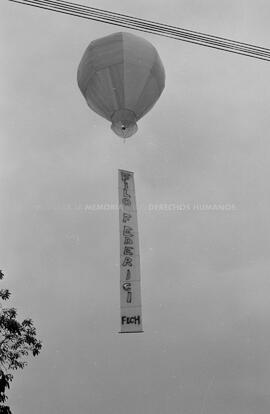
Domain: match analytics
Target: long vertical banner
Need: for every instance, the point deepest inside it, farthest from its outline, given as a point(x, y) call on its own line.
point(130, 279)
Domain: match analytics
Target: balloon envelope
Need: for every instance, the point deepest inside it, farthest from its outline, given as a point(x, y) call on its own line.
point(121, 77)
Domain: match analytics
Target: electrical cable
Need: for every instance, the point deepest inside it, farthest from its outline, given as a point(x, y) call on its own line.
point(219, 43)
point(157, 26)
point(82, 9)
point(69, 6)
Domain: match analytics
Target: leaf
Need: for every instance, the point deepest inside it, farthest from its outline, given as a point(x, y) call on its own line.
point(27, 322)
point(4, 294)
point(4, 409)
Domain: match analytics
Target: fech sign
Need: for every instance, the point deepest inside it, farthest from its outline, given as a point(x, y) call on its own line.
point(130, 280)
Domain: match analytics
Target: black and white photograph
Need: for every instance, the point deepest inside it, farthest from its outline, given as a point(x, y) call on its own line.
point(135, 207)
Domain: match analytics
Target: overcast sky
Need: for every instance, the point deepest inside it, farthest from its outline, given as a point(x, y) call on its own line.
point(205, 273)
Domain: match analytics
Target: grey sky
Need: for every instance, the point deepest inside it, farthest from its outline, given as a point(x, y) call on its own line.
point(205, 274)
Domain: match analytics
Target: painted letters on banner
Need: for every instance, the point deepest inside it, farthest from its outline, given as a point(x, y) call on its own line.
point(130, 280)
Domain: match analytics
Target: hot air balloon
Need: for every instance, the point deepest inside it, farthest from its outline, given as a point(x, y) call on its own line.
point(121, 77)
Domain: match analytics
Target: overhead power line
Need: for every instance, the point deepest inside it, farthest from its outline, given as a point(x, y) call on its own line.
point(149, 26)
